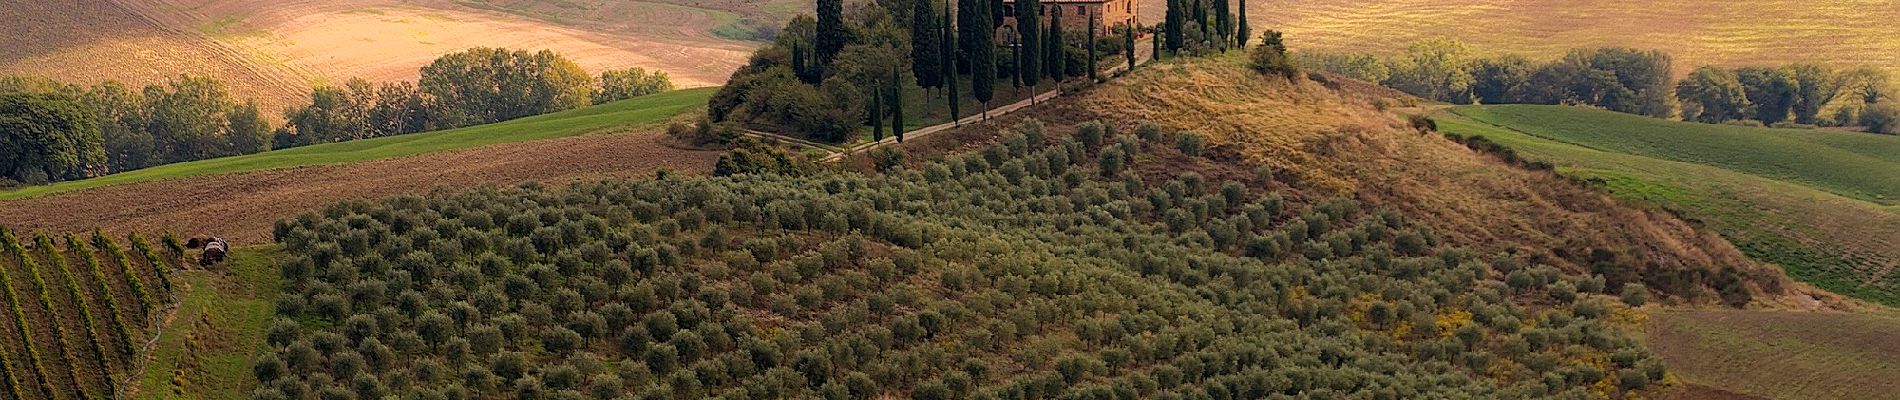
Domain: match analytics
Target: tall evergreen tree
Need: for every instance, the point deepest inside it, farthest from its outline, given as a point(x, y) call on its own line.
point(1091, 70)
point(1029, 28)
point(1242, 33)
point(983, 62)
point(799, 69)
point(897, 106)
point(1057, 55)
point(1200, 18)
point(925, 62)
point(1016, 72)
point(1173, 28)
point(1128, 43)
point(1223, 24)
point(877, 115)
point(830, 30)
point(967, 11)
point(947, 40)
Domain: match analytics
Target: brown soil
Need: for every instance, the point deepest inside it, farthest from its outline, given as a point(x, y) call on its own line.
point(242, 206)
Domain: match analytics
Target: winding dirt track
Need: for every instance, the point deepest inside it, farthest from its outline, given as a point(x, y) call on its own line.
point(242, 206)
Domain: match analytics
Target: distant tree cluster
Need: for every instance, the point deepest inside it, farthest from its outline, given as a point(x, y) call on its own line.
point(51, 131)
point(1630, 81)
point(1620, 79)
point(1044, 266)
point(473, 87)
point(1798, 94)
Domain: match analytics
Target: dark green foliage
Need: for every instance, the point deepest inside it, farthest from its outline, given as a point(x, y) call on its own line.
point(1270, 56)
point(897, 107)
point(1242, 32)
point(926, 54)
point(876, 106)
point(831, 35)
point(950, 57)
point(1091, 70)
point(1712, 95)
point(46, 137)
point(1128, 46)
point(1030, 47)
point(1054, 48)
point(486, 85)
point(982, 54)
point(1029, 270)
point(1771, 91)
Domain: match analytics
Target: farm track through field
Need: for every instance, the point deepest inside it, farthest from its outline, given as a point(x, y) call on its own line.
point(242, 206)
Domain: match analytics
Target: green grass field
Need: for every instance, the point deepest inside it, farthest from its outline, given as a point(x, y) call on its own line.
point(1851, 164)
point(1814, 202)
point(619, 115)
point(224, 312)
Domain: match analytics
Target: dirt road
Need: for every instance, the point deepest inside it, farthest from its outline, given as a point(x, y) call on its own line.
point(242, 206)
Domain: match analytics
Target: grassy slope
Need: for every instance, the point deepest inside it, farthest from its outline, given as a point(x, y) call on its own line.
point(1821, 236)
point(639, 111)
point(218, 329)
point(1782, 355)
point(1851, 164)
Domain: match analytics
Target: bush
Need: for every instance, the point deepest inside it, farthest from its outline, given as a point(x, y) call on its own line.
point(1635, 295)
point(1882, 118)
point(1270, 56)
point(1190, 143)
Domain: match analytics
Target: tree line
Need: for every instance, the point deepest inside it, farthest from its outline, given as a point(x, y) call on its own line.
point(1630, 81)
point(52, 131)
point(828, 75)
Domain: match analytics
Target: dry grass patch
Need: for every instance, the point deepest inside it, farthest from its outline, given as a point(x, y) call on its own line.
point(1730, 33)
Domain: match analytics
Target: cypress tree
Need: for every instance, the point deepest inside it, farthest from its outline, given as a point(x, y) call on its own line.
point(983, 63)
point(1200, 18)
point(1016, 73)
point(947, 42)
point(1091, 70)
point(1223, 23)
point(1029, 26)
point(1175, 19)
point(964, 33)
point(798, 61)
point(897, 106)
point(1128, 43)
point(830, 30)
point(1058, 49)
point(1241, 33)
point(925, 63)
point(877, 115)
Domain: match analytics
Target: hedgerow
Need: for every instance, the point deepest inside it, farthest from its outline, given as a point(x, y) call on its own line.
point(1029, 269)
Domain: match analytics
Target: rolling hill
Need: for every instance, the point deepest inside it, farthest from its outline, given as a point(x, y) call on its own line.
point(1817, 202)
point(238, 197)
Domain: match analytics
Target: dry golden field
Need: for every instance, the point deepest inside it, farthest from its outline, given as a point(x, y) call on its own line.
point(273, 50)
point(1697, 32)
point(89, 41)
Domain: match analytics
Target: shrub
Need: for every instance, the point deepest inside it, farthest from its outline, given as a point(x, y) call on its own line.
point(1190, 143)
point(1270, 56)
